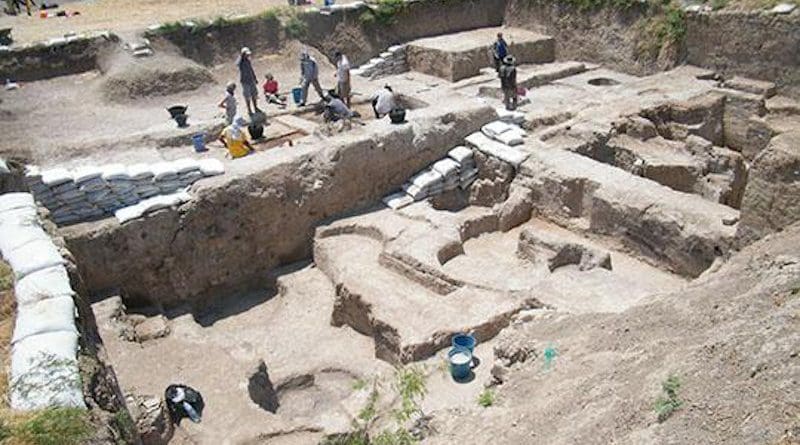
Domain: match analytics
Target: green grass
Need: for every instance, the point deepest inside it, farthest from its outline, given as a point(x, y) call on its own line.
point(295, 27)
point(400, 436)
point(368, 411)
point(383, 13)
point(666, 26)
point(486, 398)
point(55, 426)
point(359, 384)
point(410, 386)
point(668, 402)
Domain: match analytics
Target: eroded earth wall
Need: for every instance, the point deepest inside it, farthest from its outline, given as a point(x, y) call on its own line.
point(262, 212)
point(751, 44)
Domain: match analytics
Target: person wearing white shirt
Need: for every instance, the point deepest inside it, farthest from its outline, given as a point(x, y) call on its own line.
point(383, 101)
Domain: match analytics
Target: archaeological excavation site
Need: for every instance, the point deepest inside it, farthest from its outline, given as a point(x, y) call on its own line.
point(575, 222)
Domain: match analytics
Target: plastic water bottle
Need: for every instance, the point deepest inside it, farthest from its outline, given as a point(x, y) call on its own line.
point(191, 412)
point(550, 354)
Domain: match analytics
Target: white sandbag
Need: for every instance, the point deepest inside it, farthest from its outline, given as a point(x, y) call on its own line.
point(164, 171)
point(33, 256)
point(512, 137)
point(500, 151)
point(139, 172)
point(114, 172)
point(20, 216)
point(398, 200)
point(56, 176)
point(460, 154)
point(163, 201)
point(446, 167)
point(186, 165)
point(4, 170)
point(50, 282)
point(53, 315)
point(426, 179)
point(14, 236)
point(211, 167)
point(415, 192)
point(10, 201)
point(495, 128)
point(126, 214)
point(44, 372)
point(85, 174)
point(516, 117)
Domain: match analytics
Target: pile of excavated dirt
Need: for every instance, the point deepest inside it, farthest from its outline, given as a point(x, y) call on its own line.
point(160, 75)
point(731, 338)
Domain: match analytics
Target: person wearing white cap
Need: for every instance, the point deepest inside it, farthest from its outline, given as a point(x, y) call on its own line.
point(249, 80)
point(309, 75)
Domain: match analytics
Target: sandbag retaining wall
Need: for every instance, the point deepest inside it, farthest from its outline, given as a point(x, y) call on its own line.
point(261, 214)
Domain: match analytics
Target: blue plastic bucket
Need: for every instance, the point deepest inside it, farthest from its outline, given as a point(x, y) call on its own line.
point(464, 341)
point(199, 142)
point(297, 95)
point(460, 360)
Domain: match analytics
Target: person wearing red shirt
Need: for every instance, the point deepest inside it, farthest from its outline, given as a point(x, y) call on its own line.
point(271, 91)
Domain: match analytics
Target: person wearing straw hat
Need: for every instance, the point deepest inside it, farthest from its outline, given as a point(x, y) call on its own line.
point(249, 80)
point(508, 82)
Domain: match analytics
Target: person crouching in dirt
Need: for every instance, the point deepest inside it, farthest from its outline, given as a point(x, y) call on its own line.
point(229, 103)
point(183, 401)
point(235, 138)
point(335, 108)
point(249, 80)
point(271, 95)
point(383, 101)
point(508, 82)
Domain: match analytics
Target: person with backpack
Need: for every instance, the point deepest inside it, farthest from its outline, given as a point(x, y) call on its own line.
point(508, 82)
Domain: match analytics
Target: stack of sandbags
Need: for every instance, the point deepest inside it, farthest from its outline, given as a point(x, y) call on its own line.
point(467, 170)
point(425, 183)
point(166, 177)
point(142, 179)
point(188, 171)
point(119, 181)
point(449, 169)
point(511, 117)
point(509, 134)
point(63, 194)
point(497, 149)
point(44, 369)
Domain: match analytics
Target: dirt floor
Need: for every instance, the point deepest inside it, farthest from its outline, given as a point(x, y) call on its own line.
point(127, 18)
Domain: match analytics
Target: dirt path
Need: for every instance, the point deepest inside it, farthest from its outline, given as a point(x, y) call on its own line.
point(126, 17)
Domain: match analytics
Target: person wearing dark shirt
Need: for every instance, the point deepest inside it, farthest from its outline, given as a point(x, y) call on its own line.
point(249, 81)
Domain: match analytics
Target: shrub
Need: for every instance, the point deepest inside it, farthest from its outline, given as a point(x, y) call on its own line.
point(668, 402)
point(295, 28)
point(384, 12)
point(486, 398)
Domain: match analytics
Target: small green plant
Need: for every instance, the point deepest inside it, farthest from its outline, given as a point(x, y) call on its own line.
point(399, 436)
point(486, 398)
point(667, 26)
point(55, 426)
point(668, 402)
point(410, 385)
point(359, 384)
point(295, 28)
point(383, 13)
point(368, 412)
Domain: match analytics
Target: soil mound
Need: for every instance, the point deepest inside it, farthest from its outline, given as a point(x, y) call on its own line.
point(160, 75)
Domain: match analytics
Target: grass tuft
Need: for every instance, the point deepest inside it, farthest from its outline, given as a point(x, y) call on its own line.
point(487, 398)
point(668, 402)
